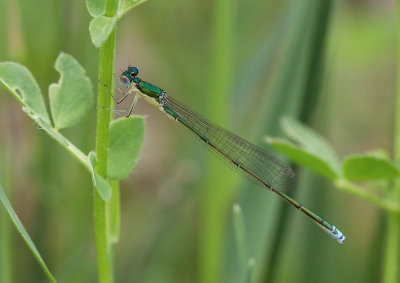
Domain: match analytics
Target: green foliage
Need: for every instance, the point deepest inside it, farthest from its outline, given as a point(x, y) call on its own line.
point(276, 50)
point(239, 229)
point(100, 29)
point(96, 7)
point(296, 61)
point(245, 265)
point(72, 97)
point(101, 26)
point(126, 5)
point(19, 82)
point(24, 234)
point(215, 197)
point(102, 186)
point(303, 156)
point(240, 232)
point(126, 138)
point(70, 100)
point(314, 152)
point(367, 168)
point(17, 79)
point(311, 142)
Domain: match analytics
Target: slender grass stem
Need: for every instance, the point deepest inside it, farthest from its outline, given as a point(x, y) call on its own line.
point(392, 246)
point(384, 203)
point(6, 255)
point(391, 259)
point(106, 67)
point(113, 212)
point(216, 194)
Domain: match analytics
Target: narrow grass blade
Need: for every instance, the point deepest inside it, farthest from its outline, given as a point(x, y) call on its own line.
point(24, 234)
point(240, 234)
point(6, 253)
point(250, 269)
point(239, 230)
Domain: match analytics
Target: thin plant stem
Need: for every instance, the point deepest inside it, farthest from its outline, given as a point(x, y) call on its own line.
point(113, 213)
point(106, 67)
point(354, 189)
point(392, 244)
point(6, 262)
point(217, 193)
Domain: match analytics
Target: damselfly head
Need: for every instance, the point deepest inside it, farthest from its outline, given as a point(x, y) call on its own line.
point(127, 76)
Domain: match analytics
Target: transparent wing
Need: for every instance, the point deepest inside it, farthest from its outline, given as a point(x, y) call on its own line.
point(235, 150)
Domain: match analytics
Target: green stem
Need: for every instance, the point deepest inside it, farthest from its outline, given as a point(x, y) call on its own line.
point(113, 212)
point(5, 249)
point(386, 204)
point(391, 259)
point(106, 67)
point(216, 194)
point(392, 246)
point(5, 227)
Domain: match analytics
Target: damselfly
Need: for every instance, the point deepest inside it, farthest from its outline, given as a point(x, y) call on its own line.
point(242, 156)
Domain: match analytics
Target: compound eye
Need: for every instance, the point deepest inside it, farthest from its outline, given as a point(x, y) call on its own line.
point(134, 71)
point(124, 81)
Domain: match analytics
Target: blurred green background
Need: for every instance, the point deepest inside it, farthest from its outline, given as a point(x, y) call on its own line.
point(330, 64)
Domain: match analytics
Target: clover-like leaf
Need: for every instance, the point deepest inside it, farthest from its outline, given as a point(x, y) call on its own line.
point(126, 5)
point(100, 28)
point(96, 7)
point(303, 157)
point(311, 142)
point(368, 167)
point(101, 185)
point(18, 80)
point(125, 140)
point(72, 97)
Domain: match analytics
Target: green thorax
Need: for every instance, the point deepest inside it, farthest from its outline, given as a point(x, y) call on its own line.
point(148, 88)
